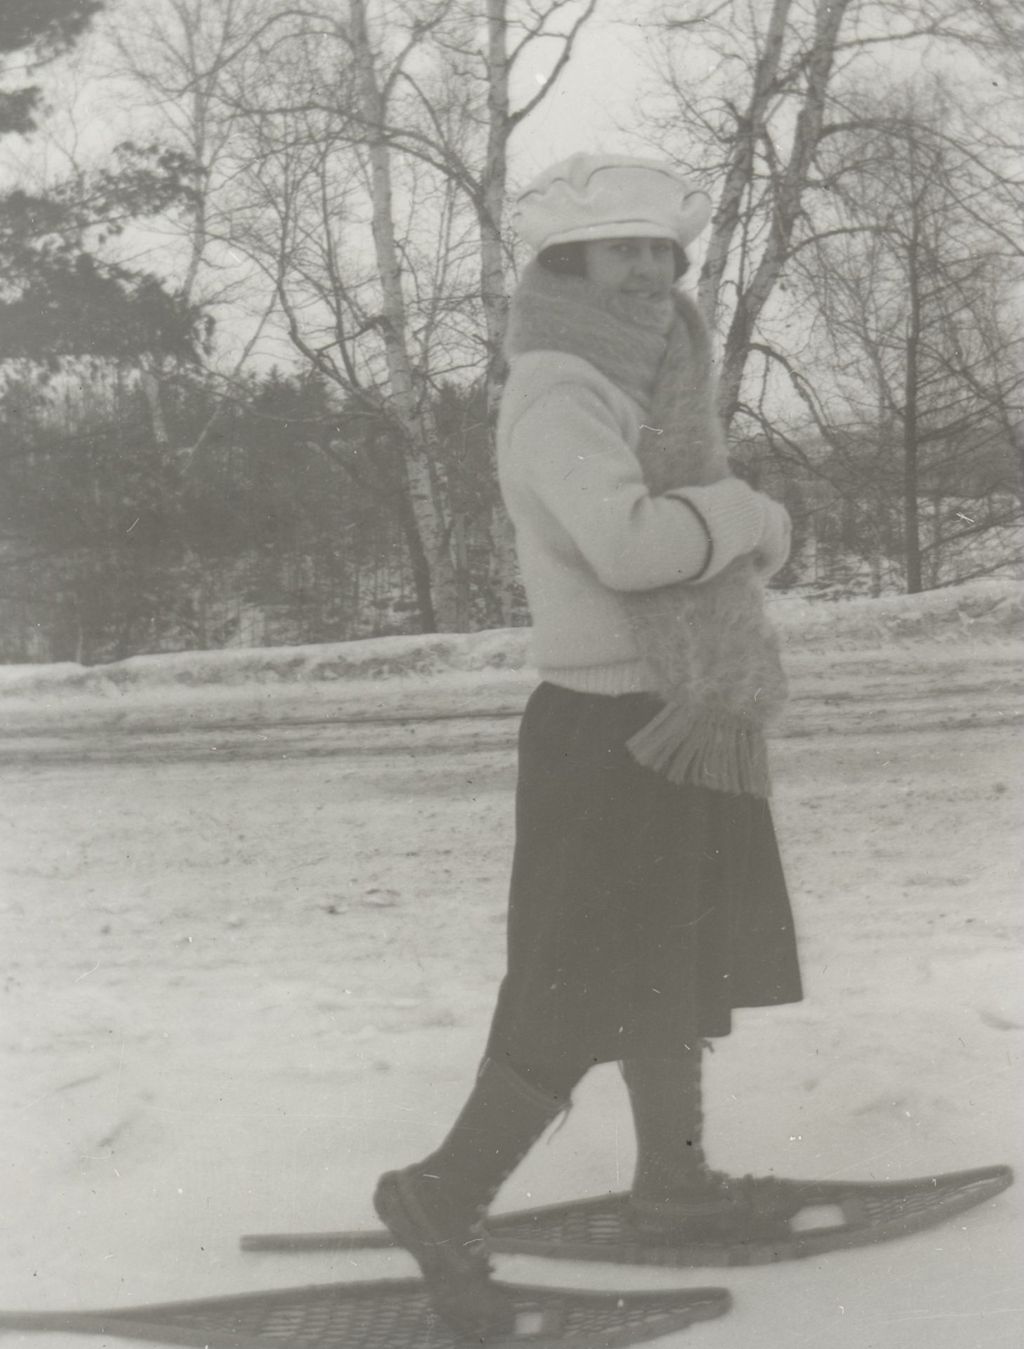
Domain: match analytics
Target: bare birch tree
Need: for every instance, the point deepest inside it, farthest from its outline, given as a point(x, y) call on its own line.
point(910, 296)
point(751, 95)
point(473, 91)
point(376, 211)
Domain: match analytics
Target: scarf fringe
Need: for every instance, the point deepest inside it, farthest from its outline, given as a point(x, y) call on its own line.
point(706, 752)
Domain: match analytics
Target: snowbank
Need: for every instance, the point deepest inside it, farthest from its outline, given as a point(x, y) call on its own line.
point(981, 611)
point(372, 658)
point(985, 611)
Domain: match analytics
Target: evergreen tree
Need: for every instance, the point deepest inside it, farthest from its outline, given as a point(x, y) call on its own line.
point(35, 31)
point(60, 298)
point(88, 535)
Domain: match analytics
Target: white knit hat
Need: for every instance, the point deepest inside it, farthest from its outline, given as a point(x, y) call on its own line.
point(609, 197)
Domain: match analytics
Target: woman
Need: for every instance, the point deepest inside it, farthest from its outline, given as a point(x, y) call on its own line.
point(647, 897)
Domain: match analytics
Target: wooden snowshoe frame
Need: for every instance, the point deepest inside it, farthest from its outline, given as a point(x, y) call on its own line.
point(388, 1314)
point(794, 1219)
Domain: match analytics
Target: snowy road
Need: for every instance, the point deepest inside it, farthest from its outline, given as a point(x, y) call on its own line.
point(923, 688)
point(253, 963)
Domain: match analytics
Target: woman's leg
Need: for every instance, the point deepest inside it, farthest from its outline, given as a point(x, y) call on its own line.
point(506, 1112)
point(666, 1100)
point(676, 1197)
point(434, 1207)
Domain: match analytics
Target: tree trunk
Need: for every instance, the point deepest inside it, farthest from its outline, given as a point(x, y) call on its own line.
point(789, 188)
point(911, 515)
point(912, 372)
point(418, 562)
point(493, 281)
point(435, 546)
point(491, 206)
point(741, 164)
point(149, 380)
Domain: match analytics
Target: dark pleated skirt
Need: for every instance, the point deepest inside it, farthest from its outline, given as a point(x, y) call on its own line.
point(641, 913)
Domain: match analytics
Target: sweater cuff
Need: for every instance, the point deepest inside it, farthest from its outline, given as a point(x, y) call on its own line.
point(709, 550)
point(733, 518)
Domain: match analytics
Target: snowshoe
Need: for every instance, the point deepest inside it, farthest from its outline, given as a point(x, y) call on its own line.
point(776, 1220)
point(389, 1314)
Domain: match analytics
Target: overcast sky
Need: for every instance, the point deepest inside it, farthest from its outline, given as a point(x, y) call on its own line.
point(594, 96)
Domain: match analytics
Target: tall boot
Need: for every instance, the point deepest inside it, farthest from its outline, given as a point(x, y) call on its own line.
point(676, 1196)
point(434, 1207)
point(667, 1104)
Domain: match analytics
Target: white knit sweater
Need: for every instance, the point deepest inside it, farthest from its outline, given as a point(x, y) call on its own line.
point(587, 527)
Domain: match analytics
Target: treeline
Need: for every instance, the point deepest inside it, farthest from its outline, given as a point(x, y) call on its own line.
point(269, 518)
point(273, 518)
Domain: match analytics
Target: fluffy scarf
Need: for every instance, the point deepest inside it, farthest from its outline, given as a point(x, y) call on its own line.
point(712, 650)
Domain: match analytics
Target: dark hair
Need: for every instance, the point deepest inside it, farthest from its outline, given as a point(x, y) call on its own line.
point(568, 259)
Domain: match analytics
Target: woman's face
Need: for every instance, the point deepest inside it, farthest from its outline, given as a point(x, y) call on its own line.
point(641, 267)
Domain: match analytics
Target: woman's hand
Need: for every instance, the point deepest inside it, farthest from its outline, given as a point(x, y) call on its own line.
point(740, 523)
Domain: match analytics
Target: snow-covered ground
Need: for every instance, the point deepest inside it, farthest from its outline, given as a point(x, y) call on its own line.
point(252, 912)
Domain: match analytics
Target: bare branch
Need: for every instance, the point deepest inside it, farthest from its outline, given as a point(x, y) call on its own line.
point(564, 57)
